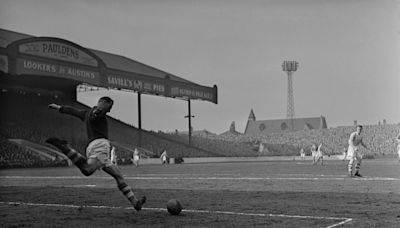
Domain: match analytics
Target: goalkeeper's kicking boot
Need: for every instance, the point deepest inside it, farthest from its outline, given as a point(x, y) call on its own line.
point(60, 144)
point(138, 204)
point(357, 174)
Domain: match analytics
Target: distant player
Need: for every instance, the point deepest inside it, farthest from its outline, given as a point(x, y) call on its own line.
point(314, 153)
point(261, 148)
point(98, 148)
point(344, 154)
point(353, 153)
point(113, 156)
point(135, 157)
point(302, 154)
point(398, 151)
point(398, 146)
point(164, 157)
point(319, 157)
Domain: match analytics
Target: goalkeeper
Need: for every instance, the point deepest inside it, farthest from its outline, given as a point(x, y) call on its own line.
point(98, 148)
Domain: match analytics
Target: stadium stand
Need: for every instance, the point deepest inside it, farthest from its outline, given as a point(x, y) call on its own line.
point(28, 118)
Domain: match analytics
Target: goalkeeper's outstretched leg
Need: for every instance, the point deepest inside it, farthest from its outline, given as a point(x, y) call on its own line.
point(87, 167)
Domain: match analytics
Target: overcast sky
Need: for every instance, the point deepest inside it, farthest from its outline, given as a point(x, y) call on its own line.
point(348, 54)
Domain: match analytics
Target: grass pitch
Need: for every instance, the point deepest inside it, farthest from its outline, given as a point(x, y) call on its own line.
point(241, 194)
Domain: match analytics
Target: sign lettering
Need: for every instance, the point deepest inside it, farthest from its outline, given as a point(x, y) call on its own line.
point(59, 51)
point(48, 69)
point(138, 85)
point(191, 93)
point(35, 66)
point(119, 82)
point(135, 84)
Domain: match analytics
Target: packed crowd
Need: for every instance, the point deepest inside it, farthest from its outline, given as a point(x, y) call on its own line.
point(379, 138)
point(13, 156)
point(220, 146)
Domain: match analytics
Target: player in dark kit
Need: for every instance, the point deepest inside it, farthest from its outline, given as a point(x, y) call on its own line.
point(98, 148)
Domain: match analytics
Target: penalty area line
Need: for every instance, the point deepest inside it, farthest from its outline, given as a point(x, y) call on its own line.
point(311, 178)
point(342, 220)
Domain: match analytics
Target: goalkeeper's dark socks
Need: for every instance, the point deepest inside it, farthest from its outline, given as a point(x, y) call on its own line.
point(127, 191)
point(72, 154)
point(60, 144)
point(76, 157)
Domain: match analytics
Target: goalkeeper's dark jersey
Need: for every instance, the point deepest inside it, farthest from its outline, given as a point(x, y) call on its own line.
point(96, 124)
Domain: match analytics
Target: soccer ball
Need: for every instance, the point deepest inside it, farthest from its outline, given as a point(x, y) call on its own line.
point(174, 207)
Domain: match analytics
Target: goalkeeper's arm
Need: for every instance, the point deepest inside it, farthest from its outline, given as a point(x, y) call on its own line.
point(69, 110)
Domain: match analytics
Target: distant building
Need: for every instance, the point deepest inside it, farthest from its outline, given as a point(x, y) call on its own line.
point(262, 127)
point(232, 131)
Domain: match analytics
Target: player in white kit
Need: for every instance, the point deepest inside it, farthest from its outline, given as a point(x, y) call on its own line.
point(398, 151)
point(164, 157)
point(302, 154)
point(135, 157)
point(354, 154)
point(314, 153)
point(319, 157)
point(398, 146)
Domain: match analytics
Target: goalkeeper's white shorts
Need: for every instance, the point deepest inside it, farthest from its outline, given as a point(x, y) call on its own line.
point(100, 150)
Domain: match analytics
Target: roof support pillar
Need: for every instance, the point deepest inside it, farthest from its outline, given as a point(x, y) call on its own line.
point(140, 118)
point(190, 122)
point(189, 116)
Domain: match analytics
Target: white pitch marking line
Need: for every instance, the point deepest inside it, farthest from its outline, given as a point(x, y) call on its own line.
point(340, 223)
point(82, 185)
point(207, 178)
point(344, 220)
